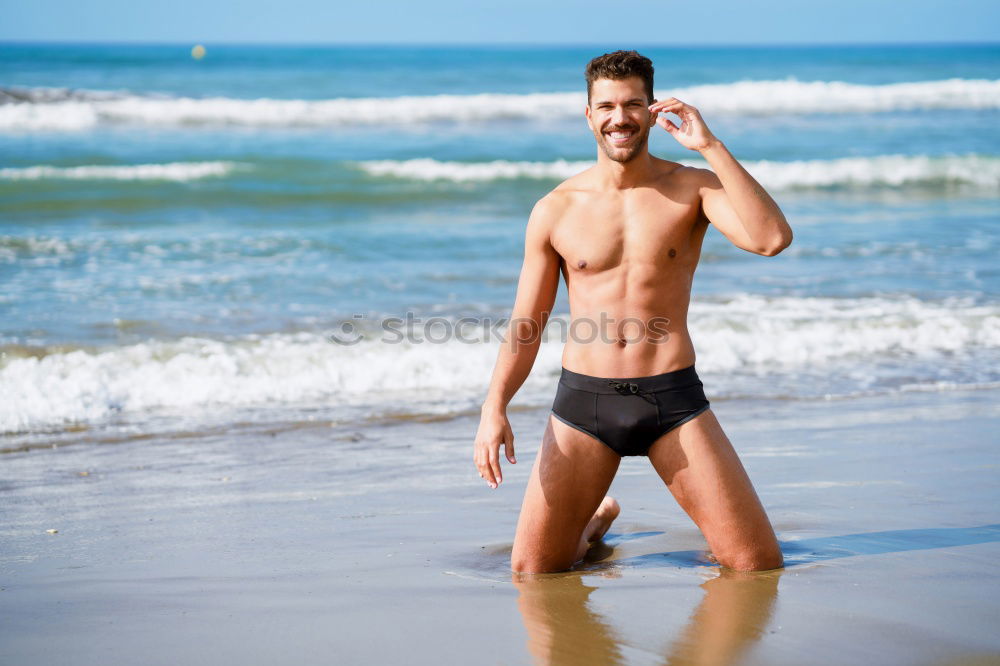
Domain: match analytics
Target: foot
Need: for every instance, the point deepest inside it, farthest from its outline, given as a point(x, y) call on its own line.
point(603, 517)
point(598, 525)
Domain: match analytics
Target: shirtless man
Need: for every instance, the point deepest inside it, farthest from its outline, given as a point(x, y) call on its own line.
point(626, 235)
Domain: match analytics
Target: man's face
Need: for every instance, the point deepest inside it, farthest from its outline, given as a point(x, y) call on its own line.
point(619, 117)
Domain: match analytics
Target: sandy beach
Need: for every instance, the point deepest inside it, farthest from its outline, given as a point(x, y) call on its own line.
point(281, 544)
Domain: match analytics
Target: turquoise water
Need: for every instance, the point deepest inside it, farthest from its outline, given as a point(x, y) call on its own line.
point(181, 236)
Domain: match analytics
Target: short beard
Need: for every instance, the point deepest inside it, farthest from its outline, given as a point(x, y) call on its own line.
point(611, 151)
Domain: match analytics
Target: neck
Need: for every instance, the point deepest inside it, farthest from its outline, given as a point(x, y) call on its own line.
point(625, 175)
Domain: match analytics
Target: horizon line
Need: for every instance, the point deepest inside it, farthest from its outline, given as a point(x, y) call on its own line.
point(487, 45)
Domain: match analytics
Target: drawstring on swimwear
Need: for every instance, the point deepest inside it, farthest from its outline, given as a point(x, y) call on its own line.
point(626, 388)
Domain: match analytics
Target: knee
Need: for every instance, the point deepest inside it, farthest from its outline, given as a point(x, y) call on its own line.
point(754, 559)
point(523, 563)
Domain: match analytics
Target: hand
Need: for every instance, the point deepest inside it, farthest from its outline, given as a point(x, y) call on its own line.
point(693, 133)
point(494, 428)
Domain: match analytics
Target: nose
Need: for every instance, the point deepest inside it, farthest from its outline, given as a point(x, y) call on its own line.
point(618, 115)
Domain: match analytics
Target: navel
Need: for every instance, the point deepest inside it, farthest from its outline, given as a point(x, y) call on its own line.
point(581, 264)
point(672, 253)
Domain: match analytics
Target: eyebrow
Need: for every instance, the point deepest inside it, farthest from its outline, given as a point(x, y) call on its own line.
point(607, 101)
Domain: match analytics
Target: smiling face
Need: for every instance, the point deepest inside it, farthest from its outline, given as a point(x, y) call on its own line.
point(619, 117)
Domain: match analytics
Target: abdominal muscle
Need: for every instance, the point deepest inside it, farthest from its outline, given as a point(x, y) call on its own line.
point(625, 351)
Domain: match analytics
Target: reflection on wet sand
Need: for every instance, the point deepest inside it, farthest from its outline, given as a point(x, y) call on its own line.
point(732, 616)
point(563, 629)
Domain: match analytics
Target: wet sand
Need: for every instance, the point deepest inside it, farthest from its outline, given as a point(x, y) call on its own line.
point(380, 544)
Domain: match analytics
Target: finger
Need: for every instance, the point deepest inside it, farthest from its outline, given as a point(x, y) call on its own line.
point(674, 108)
point(508, 446)
point(482, 462)
point(495, 467)
point(486, 472)
point(667, 103)
point(666, 100)
point(667, 124)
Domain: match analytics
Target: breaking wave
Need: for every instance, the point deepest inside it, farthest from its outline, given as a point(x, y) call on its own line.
point(46, 109)
point(817, 346)
point(878, 171)
point(175, 171)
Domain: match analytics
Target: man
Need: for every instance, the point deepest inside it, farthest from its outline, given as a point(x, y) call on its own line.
point(626, 235)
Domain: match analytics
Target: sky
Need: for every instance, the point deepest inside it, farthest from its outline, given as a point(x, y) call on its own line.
point(663, 22)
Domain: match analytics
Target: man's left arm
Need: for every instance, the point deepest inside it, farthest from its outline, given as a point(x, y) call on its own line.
point(731, 199)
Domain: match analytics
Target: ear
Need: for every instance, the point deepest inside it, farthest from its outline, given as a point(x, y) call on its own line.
point(652, 116)
point(586, 112)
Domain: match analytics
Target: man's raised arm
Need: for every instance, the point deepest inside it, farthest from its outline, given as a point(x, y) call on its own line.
point(732, 200)
point(536, 293)
point(739, 207)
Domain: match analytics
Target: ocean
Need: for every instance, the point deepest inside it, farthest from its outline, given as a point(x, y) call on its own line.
point(183, 242)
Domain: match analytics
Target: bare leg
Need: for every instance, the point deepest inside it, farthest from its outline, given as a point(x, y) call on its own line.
point(701, 468)
point(564, 503)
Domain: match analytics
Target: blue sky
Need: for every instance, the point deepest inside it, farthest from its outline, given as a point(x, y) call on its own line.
point(663, 22)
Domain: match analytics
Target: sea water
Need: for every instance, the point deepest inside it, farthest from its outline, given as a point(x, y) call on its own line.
point(188, 243)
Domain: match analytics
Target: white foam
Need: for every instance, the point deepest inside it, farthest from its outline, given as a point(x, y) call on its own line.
point(880, 170)
point(430, 169)
point(793, 96)
point(752, 331)
point(744, 336)
point(196, 373)
point(174, 171)
point(74, 110)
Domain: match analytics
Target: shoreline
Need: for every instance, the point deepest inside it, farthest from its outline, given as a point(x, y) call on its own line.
point(271, 420)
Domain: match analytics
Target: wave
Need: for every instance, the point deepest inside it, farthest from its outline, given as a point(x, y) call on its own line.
point(980, 171)
point(40, 95)
point(44, 109)
point(748, 345)
point(175, 171)
point(878, 171)
point(429, 169)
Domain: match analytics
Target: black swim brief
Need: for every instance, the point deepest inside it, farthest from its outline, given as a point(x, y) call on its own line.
point(629, 414)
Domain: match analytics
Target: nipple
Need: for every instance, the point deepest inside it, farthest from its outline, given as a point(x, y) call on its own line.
point(672, 253)
point(581, 264)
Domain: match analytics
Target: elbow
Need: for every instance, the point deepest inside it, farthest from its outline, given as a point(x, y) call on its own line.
point(772, 250)
point(777, 244)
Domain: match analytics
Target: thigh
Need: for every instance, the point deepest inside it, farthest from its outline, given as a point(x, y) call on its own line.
point(698, 463)
point(570, 477)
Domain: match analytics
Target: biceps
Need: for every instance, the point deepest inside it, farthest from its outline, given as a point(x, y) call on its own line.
point(538, 283)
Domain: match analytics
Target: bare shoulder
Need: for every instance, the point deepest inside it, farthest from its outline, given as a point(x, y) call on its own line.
point(551, 207)
point(687, 177)
point(544, 216)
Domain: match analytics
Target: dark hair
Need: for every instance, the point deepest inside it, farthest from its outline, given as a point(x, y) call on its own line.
point(621, 65)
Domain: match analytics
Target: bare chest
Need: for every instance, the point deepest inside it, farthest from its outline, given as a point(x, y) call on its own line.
point(603, 234)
